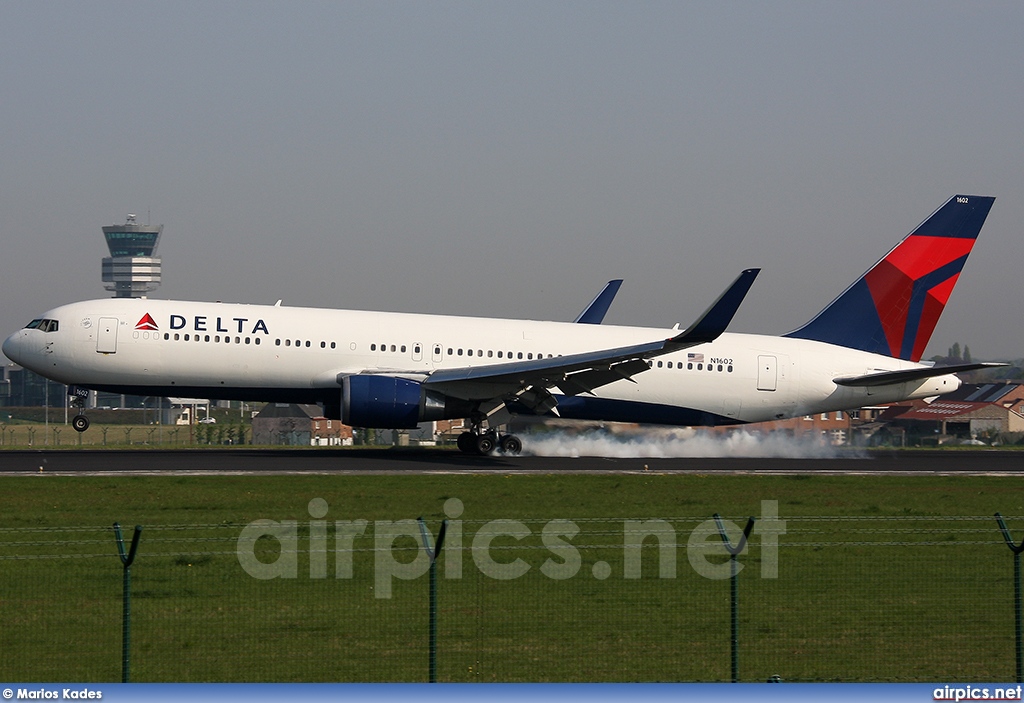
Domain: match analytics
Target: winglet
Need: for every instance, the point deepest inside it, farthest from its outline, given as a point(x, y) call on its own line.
point(594, 313)
point(716, 318)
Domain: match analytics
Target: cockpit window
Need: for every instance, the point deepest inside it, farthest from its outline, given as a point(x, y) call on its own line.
point(42, 325)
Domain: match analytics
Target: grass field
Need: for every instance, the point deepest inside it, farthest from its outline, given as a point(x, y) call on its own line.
point(879, 579)
point(57, 435)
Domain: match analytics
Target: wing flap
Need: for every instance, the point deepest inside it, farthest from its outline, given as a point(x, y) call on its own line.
point(587, 381)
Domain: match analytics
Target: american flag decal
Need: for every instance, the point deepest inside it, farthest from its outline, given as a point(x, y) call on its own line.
point(699, 358)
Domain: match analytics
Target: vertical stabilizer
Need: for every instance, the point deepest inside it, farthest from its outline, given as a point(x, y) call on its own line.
point(894, 307)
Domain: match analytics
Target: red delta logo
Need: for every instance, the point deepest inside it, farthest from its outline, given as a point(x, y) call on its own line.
point(147, 323)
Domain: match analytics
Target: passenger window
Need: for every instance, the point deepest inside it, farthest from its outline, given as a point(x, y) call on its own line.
point(333, 345)
point(499, 355)
point(403, 349)
point(308, 343)
point(392, 347)
point(277, 342)
point(519, 356)
point(288, 343)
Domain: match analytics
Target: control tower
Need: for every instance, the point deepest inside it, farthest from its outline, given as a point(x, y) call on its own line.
point(132, 270)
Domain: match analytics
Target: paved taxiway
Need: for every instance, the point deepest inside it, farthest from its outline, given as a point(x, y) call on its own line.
point(320, 461)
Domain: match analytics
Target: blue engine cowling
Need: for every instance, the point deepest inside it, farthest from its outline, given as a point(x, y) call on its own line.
point(394, 403)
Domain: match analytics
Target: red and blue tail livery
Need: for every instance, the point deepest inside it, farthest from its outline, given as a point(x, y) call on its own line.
point(894, 307)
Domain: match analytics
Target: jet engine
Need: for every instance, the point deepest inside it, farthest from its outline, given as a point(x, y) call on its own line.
point(388, 402)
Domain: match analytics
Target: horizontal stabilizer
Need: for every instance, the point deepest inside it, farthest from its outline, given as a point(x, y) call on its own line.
point(886, 378)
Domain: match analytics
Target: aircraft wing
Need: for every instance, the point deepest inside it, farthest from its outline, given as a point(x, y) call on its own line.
point(885, 378)
point(580, 373)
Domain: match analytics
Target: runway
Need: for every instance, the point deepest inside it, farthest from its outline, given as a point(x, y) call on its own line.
point(421, 461)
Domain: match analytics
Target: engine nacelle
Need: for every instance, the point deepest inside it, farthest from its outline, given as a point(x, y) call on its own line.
point(394, 403)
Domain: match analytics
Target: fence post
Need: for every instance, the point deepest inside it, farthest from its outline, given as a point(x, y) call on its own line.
point(1016, 549)
point(734, 591)
point(432, 619)
point(126, 601)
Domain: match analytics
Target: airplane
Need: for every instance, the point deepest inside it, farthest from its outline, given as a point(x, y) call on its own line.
point(395, 370)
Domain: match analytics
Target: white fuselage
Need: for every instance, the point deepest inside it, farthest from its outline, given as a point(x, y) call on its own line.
point(256, 352)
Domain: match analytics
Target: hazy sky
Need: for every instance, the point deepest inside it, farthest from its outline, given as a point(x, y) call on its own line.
point(508, 158)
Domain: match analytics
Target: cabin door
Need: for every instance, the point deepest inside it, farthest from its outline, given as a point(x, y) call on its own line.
point(767, 373)
point(106, 336)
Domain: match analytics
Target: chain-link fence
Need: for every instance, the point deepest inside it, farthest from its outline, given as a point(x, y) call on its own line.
point(819, 599)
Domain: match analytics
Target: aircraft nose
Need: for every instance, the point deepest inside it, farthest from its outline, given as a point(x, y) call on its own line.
point(11, 347)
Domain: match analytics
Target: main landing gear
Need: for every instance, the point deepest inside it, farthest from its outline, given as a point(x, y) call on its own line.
point(484, 443)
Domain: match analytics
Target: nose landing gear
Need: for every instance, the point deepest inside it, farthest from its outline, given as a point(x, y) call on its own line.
point(76, 399)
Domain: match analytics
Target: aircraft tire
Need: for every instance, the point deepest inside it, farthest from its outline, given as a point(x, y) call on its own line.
point(510, 444)
point(485, 444)
point(80, 423)
point(467, 443)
